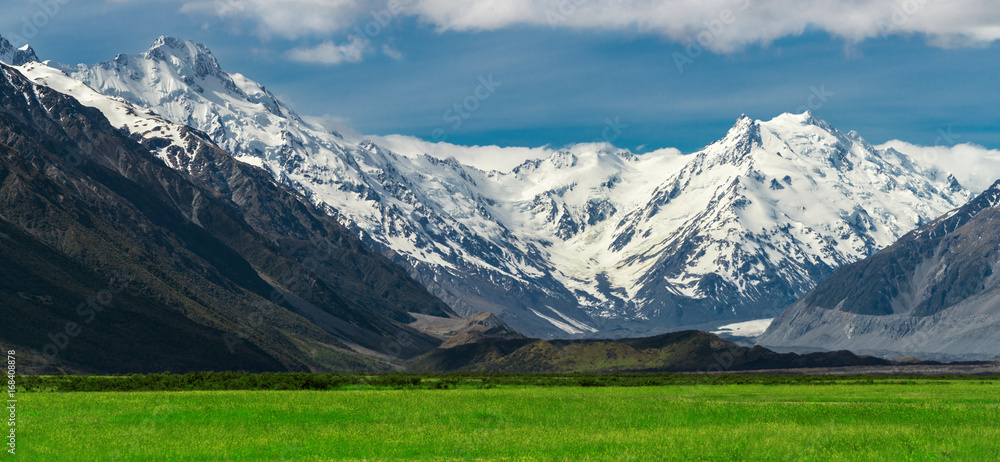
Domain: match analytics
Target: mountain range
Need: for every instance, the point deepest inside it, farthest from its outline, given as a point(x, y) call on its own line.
point(590, 241)
point(16, 56)
point(251, 238)
point(115, 262)
point(935, 294)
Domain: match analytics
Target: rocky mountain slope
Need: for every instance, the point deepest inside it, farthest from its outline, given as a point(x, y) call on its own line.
point(115, 262)
point(16, 56)
point(687, 351)
point(275, 211)
point(591, 241)
point(934, 294)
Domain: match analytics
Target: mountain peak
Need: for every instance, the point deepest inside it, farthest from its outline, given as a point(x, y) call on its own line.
point(991, 197)
point(805, 118)
point(16, 56)
point(564, 159)
point(743, 120)
point(184, 53)
point(744, 131)
point(173, 43)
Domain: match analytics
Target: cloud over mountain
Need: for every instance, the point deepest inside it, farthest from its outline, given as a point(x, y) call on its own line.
point(974, 166)
point(717, 25)
point(330, 53)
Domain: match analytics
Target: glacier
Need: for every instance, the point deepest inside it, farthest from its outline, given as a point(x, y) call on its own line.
point(590, 240)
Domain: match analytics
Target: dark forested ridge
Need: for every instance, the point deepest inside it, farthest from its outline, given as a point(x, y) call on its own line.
point(113, 262)
point(686, 351)
point(933, 294)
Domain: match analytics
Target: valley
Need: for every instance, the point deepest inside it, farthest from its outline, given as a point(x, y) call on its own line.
point(591, 241)
point(532, 230)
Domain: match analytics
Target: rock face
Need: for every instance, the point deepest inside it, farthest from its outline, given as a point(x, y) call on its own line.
point(479, 327)
point(16, 56)
point(933, 294)
point(223, 268)
point(686, 351)
point(587, 242)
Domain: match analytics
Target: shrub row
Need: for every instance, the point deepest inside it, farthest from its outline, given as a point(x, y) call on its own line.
point(308, 381)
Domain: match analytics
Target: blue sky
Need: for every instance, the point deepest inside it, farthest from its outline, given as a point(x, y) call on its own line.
point(568, 79)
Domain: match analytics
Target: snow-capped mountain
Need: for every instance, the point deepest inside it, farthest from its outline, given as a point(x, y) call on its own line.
point(589, 241)
point(16, 56)
point(933, 294)
point(219, 258)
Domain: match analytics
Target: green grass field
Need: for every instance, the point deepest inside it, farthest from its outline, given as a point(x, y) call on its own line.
point(926, 420)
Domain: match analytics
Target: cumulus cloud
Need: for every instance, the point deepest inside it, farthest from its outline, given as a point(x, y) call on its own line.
point(392, 52)
point(330, 53)
point(487, 158)
point(286, 18)
point(334, 124)
point(482, 157)
point(718, 25)
point(975, 167)
point(726, 25)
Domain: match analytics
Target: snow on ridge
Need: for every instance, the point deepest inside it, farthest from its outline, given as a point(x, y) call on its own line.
point(565, 327)
point(772, 201)
point(974, 167)
point(753, 328)
point(577, 324)
point(118, 112)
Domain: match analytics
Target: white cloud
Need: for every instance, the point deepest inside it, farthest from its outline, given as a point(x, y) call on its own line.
point(392, 52)
point(975, 167)
point(335, 124)
point(330, 53)
point(287, 18)
point(719, 25)
point(726, 25)
point(488, 158)
point(482, 157)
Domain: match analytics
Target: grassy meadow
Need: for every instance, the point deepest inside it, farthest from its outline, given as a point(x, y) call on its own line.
point(884, 420)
